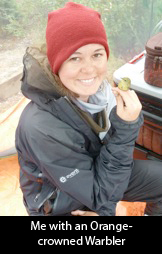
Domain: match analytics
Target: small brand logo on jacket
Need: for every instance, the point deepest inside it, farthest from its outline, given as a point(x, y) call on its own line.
point(63, 179)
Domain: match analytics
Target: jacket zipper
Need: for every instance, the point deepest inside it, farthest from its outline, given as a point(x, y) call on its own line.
point(46, 198)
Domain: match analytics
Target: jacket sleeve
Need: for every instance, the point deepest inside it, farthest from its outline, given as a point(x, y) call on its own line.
point(116, 160)
point(98, 184)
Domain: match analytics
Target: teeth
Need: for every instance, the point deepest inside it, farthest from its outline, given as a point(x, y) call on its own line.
point(87, 80)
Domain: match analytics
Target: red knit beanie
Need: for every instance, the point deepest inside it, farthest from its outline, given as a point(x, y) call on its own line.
point(70, 28)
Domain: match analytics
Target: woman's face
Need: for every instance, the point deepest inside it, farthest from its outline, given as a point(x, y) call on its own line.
point(84, 71)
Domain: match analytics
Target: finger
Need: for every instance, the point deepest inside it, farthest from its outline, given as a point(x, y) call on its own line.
point(130, 93)
point(135, 99)
point(78, 213)
point(119, 99)
point(115, 93)
point(121, 92)
point(126, 95)
point(120, 102)
point(134, 96)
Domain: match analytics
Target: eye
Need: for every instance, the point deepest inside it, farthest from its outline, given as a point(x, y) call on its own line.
point(97, 55)
point(74, 59)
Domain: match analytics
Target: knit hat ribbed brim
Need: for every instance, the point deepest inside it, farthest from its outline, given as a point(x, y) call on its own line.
point(70, 28)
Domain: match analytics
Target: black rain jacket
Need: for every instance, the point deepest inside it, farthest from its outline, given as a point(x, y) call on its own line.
point(64, 165)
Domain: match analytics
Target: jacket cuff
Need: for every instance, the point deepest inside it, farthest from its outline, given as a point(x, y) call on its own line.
point(115, 119)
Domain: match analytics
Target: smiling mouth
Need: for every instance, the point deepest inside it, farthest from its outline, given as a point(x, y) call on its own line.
point(86, 81)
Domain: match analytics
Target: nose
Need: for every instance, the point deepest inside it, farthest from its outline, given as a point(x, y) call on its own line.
point(87, 67)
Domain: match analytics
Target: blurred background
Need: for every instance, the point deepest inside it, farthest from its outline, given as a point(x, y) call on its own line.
point(129, 24)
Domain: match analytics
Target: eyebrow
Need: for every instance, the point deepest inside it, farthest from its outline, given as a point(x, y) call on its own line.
point(79, 53)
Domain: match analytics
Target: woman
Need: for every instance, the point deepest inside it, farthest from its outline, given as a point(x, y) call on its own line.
point(75, 145)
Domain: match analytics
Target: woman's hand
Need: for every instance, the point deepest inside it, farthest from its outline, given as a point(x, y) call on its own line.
point(83, 213)
point(128, 104)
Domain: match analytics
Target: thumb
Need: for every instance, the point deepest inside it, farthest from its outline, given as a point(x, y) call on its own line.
point(120, 105)
point(119, 101)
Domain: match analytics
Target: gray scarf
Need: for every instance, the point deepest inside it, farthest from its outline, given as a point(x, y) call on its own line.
point(103, 99)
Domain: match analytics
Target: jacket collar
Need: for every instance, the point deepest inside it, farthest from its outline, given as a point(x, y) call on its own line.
point(67, 112)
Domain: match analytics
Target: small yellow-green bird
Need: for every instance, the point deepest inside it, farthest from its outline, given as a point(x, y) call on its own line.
point(124, 84)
